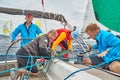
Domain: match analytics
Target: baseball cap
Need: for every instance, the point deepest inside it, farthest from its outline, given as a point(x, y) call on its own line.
point(29, 15)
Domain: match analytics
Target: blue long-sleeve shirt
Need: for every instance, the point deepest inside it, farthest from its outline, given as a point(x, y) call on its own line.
point(25, 32)
point(106, 40)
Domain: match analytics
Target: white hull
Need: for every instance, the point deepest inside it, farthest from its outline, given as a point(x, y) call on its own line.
point(59, 70)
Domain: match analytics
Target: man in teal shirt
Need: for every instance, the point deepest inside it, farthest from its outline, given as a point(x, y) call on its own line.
point(28, 31)
point(108, 47)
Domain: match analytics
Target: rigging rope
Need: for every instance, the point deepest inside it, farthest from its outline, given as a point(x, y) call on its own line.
point(91, 67)
point(27, 61)
point(1, 72)
point(13, 44)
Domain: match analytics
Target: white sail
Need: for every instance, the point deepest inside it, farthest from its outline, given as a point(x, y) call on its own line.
point(6, 25)
point(73, 11)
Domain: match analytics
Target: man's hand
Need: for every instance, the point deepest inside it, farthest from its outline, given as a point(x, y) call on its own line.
point(14, 42)
point(53, 53)
point(102, 54)
point(89, 48)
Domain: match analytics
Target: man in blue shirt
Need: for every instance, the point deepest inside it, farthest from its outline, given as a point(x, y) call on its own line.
point(28, 31)
point(108, 47)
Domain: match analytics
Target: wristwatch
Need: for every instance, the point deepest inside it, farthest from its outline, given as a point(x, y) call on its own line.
point(107, 50)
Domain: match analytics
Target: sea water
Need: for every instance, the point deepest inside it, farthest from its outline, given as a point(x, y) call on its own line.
point(5, 42)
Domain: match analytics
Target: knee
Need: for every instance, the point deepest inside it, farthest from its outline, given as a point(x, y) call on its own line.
point(115, 66)
point(87, 61)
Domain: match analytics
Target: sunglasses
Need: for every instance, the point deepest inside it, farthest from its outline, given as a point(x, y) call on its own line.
point(29, 15)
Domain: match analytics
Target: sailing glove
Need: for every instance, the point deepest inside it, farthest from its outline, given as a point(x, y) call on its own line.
point(54, 53)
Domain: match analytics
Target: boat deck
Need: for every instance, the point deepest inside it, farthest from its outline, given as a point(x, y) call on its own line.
point(98, 73)
point(6, 75)
point(42, 76)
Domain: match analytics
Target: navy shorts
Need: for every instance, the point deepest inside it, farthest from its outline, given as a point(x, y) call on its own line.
point(23, 61)
point(97, 60)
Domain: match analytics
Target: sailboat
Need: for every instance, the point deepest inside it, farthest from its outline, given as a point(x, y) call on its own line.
point(58, 69)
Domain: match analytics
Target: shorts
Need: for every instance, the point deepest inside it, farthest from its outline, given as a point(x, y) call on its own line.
point(95, 59)
point(23, 61)
point(98, 60)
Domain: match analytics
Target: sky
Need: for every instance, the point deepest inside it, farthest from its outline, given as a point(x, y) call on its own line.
point(77, 13)
point(72, 10)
